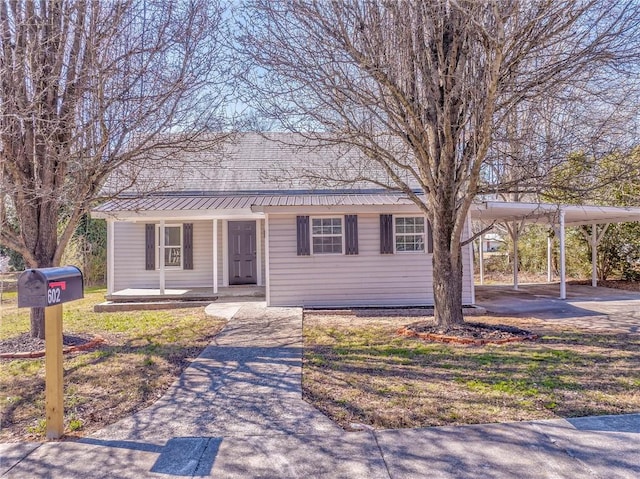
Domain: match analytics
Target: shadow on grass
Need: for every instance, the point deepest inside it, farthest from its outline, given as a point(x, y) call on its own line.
point(383, 381)
point(138, 369)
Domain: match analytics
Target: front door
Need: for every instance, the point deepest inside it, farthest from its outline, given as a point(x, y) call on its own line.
point(242, 252)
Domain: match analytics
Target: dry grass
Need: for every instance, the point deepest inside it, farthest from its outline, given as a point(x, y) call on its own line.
point(145, 352)
point(357, 370)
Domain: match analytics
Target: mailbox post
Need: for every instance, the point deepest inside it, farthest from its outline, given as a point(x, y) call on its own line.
point(48, 288)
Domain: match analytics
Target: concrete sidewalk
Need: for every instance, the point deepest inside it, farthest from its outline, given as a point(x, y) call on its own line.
point(237, 411)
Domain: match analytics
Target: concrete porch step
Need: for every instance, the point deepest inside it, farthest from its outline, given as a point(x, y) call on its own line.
point(115, 306)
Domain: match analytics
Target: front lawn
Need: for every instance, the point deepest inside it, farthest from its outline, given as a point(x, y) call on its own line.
point(145, 352)
point(358, 370)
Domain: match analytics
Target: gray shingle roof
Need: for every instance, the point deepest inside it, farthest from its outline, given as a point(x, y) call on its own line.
point(251, 163)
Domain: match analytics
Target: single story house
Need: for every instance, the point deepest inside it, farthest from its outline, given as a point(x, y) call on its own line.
point(243, 220)
point(257, 214)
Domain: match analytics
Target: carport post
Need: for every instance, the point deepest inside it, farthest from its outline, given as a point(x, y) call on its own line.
point(594, 255)
point(549, 256)
point(481, 259)
point(515, 255)
point(563, 284)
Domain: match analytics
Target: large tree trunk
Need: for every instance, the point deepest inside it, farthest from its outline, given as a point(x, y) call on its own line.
point(37, 323)
point(44, 254)
point(447, 273)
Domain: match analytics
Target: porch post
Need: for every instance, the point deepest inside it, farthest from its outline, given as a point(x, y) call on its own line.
point(258, 254)
point(594, 255)
point(111, 244)
point(215, 256)
point(563, 279)
point(549, 256)
point(161, 257)
point(266, 260)
point(481, 259)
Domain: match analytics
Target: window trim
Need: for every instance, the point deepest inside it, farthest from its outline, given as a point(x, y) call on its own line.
point(312, 236)
point(157, 248)
point(425, 246)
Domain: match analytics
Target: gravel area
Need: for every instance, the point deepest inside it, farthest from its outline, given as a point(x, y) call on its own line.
point(25, 343)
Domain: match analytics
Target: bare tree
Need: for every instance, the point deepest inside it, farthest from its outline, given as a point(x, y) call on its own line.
point(88, 87)
point(421, 88)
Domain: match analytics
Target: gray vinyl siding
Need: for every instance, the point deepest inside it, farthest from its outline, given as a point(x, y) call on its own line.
point(365, 279)
point(129, 259)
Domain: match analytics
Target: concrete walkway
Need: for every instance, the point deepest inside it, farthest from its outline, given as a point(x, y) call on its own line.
point(237, 412)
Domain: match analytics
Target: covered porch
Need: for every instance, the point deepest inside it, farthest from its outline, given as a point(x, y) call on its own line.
point(185, 294)
point(131, 299)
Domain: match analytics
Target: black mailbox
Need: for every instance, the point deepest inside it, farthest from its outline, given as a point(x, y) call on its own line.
point(42, 287)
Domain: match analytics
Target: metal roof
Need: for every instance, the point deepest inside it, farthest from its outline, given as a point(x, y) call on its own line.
point(243, 202)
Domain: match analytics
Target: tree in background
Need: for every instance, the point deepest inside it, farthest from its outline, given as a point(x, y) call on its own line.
point(88, 248)
point(422, 88)
point(88, 87)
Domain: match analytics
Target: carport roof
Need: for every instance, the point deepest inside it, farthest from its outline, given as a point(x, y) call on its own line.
point(574, 215)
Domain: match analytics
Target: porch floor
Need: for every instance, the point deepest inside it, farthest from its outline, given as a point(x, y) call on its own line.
point(185, 294)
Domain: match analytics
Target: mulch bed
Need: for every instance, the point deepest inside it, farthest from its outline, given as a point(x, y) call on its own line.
point(25, 346)
point(468, 333)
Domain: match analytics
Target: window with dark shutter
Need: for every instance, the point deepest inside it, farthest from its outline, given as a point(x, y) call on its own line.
point(351, 234)
point(386, 234)
point(187, 232)
point(429, 238)
point(302, 235)
point(150, 246)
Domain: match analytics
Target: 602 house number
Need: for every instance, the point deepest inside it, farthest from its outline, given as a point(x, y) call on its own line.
point(53, 296)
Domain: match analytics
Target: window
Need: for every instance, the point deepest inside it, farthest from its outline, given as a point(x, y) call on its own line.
point(172, 246)
point(326, 235)
point(409, 233)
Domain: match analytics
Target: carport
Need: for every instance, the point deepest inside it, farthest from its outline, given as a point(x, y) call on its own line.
point(558, 217)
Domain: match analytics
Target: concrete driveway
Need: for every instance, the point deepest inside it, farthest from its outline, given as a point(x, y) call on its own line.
point(602, 309)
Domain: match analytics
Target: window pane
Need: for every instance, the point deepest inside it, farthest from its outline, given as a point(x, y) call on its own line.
point(172, 257)
point(410, 225)
point(409, 243)
point(327, 244)
point(172, 236)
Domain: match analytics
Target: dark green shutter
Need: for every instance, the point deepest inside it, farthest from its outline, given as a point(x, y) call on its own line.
point(386, 234)
point(187, 237)
point(150, 246)
point(351, 234)
point(302, 235)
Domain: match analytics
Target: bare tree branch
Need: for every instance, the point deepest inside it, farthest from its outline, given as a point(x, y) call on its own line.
point(90, 87)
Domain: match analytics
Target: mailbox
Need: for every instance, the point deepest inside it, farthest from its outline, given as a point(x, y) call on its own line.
point(42, 287)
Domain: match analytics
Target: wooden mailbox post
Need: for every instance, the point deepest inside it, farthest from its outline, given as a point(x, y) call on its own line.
point(48, 288)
